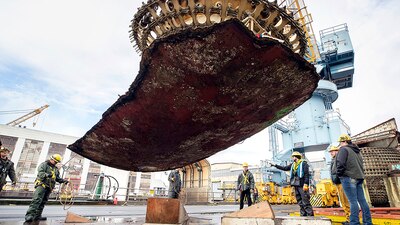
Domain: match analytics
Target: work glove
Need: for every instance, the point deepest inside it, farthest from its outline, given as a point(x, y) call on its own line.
point(305, 187)
point(66, 182)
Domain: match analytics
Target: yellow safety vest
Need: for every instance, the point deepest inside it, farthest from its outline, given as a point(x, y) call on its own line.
point(39, 182)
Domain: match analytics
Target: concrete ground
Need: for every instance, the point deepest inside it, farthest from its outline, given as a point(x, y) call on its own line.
point(199, 214)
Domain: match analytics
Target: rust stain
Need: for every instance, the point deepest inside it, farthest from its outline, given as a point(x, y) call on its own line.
point(197, 93)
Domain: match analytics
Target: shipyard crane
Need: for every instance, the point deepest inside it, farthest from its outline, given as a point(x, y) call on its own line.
point(313, 126)
point(299, 10)
point(28, 116)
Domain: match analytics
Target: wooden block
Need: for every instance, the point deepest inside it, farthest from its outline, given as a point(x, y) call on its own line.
point(247, 221)
point(259, 210)
point(74, 218)
point(165, 211)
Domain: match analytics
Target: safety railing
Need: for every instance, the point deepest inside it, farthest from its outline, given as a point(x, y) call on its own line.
point(24, 190)
point(333, 115)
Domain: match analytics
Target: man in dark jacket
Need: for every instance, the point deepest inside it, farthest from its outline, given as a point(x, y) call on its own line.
point(6, 168)
point(299, 179)
point(245, 185)
point(174, 184)
point(350, 170)
point(46, 179)
point(333, 150)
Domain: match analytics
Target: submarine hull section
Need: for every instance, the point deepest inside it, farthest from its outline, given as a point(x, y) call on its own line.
point(197, 93)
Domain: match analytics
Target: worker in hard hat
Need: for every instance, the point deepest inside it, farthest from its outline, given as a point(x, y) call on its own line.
point(46, 179)
point(6, 168)
point(333, 150)
point(299, 179)
point(174, 179)
point(245, 185)
point(350, 170)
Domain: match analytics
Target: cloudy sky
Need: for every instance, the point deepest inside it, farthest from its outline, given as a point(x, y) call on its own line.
point(76, 56)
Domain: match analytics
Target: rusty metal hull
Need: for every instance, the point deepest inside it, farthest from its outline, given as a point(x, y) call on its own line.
point(197, 93)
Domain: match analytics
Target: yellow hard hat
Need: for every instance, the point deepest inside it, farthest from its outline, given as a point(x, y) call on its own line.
point(56, 157)
point(296, 154)
point(333, 148)
point(245, 164)
point(2, 149)
point(344, 137)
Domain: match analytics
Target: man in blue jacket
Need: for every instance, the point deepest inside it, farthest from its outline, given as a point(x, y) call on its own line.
point(350, 170)
point(299, 179)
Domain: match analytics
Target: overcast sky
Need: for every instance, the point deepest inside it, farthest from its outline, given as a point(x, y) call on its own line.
point(76, 56)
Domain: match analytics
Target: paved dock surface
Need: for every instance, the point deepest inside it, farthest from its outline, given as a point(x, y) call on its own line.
point(199, 214)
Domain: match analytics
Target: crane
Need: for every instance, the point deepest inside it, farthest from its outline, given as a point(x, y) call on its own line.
point(300, 13)
point(313, 126)
point(28, 116)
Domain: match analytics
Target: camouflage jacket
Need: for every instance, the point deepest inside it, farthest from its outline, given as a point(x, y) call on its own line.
point(245, 181)
point(48, 175)
point(7, 169)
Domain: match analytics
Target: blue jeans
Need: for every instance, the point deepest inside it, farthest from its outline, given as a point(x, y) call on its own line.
point(355, 194)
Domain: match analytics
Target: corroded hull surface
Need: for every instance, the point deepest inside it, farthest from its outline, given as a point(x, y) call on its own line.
point(197, 93)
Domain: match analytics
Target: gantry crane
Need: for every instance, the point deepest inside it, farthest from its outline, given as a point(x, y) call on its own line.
point(27, 116)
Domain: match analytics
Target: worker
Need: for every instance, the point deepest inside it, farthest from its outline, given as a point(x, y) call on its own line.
point(6, 168)
point(333, 150)
point(245, 185)
point(299, 179)
point(46, 179)
point(350, 170)
point(174, 179)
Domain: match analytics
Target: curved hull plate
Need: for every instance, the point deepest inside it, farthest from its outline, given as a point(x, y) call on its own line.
point(197, 93)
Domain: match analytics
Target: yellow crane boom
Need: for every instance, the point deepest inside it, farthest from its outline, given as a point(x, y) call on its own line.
point(300, 13)
point(27, 116)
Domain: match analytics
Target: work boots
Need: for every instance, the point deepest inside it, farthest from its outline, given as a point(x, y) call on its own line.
point(28, 219)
